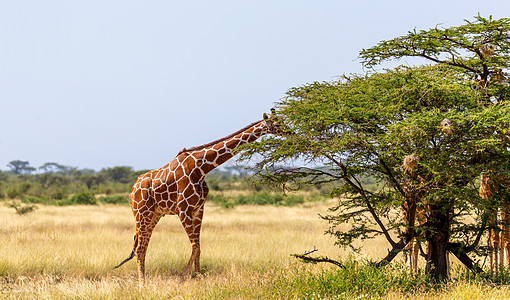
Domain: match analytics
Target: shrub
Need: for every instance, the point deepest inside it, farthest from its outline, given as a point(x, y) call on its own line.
point(58, 195)
point(82, 198)
point(34, 199)
point(117, 199)
point(293, 200)
point(23, 209)
point(221, 200)
point(355, 281)
point(266, 198)
point(261, 198)
point(12, 192)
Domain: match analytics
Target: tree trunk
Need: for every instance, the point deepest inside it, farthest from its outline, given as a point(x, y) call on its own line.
point(437, 235)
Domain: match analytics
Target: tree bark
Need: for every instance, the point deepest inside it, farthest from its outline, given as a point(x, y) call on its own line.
point(437, 236)
point(393, 252)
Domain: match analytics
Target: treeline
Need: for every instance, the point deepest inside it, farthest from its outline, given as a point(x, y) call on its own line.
point(56, 184)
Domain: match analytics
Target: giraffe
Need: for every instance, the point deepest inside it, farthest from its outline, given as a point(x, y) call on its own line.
point(178, 188)
point(414, 188)
point(498, 238)
point(413, 246)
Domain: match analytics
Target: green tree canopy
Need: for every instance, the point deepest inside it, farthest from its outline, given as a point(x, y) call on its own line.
point(20, 167)
point(425, 134)
point(120, 174)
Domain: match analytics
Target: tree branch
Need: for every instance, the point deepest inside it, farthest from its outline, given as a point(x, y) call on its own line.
point(390, 175)
point(478, 236)
point(415, 52)
point(359, 188)
point(317, 259)
point(458, 250)
point(393, 252)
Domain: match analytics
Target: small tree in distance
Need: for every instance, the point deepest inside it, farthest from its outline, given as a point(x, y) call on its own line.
point(19, 167)
point(425, 134)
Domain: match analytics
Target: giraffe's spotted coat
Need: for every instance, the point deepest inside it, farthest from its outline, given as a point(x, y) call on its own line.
point(178, 188)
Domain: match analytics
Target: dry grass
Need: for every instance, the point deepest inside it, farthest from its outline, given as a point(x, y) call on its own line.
point(69, 252)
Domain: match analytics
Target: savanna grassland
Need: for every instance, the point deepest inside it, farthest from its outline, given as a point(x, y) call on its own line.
point(60, 252)
point(69, 252)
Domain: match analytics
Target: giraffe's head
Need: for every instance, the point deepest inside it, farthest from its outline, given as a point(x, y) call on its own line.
point(274, 124)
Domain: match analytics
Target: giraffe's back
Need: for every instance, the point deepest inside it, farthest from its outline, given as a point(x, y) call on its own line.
point(159, 189)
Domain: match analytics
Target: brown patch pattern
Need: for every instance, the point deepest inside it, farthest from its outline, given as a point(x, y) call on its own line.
point(179, 189)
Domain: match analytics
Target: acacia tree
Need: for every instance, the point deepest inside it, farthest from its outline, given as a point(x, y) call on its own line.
point(20, 167)
point(424, 134)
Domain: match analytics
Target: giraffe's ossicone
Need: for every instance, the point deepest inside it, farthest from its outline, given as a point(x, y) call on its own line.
point(179, 189)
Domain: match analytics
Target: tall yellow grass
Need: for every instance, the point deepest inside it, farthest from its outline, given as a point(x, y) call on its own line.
point(70, 252)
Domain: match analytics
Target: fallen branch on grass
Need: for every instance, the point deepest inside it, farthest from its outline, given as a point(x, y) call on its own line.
point(314, 260)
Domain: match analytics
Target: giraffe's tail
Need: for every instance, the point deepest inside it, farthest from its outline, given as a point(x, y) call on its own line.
point(131, 255)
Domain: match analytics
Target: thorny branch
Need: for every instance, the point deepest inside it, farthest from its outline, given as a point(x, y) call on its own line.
point(358, 187)
point(306, 258)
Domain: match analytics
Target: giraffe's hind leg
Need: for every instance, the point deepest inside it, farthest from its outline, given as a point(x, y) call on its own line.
point(144, 230)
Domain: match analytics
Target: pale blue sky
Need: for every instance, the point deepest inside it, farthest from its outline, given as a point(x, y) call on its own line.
point(96, 84)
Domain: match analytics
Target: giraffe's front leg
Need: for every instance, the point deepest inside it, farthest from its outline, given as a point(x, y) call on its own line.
point(191, 222)
point(187, 223)
point(197, 224)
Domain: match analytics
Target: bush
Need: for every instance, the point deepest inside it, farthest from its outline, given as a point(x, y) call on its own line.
point(293, 200)
point(262, 198)
point(117, 199)
point(82, 198)
point(34, 199)
point(266, 198)
point(355, 281)
point(12, 192)
point(23, 209)
point(58, 195)
point(221, 200)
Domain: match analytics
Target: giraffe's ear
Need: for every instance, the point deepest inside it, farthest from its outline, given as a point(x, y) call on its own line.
point(265, 116)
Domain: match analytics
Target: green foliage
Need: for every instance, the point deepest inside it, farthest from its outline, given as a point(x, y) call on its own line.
point(62, 185)
point(266, 198)
point(12, 192)
point(33, 199)
point(20, 167)
point(366, 126)
point(460, 46)
point(262, 198)
point(82, 198)
point(118, 174)
point(365, 281)
point(22, 209)
point(117, 199)
point(356, 281)
point(221, 200)
point(451, 118)
point(58, 183)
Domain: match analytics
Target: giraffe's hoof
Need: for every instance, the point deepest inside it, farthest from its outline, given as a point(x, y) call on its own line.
point(141, 284)
point(184, 277)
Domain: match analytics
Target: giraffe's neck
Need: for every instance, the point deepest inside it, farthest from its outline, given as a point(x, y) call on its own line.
point(214, 154)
